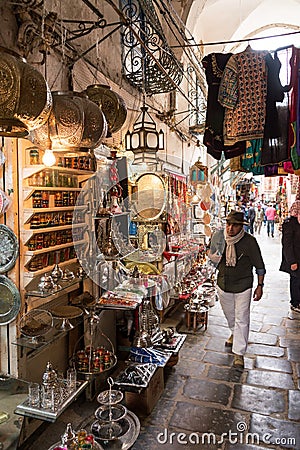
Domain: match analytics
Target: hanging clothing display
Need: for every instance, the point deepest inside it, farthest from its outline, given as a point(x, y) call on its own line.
point(276, 147)
point(250, 161)
point(214, 65)
point(243, 93)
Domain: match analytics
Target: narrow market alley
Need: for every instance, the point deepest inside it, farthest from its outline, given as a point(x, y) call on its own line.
point(214, 405)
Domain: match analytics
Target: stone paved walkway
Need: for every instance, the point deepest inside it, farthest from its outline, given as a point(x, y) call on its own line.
point(253, 409)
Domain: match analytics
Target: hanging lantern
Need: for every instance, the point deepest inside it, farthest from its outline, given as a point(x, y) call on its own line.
point(144, 140)
point(198, 173)
point(25, 99)
point(111, 104)
point(75, 122)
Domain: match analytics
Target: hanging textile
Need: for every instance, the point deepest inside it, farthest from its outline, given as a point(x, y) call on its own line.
point(250, 161)
point(214, 65)
point(276, 148)
point(243, 93)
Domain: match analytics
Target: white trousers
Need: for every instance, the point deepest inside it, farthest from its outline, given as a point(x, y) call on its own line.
point(236, 308)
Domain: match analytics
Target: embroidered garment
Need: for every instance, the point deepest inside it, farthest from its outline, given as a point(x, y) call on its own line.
point(243, 93)
point(251, 159)
point(214, 64)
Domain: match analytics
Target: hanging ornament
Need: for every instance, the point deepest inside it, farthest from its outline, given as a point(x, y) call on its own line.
point(111, 104)
point(25, 99)
point(75, 122)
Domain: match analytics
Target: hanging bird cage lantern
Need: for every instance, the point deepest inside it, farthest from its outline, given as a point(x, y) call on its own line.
point(75, 123)
point(144, 140)
point(198, 173)
point(25, 98)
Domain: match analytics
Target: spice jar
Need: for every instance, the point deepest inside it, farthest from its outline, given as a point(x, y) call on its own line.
point(45, 199)
point(34, 156)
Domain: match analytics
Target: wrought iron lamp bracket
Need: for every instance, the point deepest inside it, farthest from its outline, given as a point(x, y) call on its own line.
point(37, 30)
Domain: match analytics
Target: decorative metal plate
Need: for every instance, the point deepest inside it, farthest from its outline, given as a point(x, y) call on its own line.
point(9, 248)
point(10, 300)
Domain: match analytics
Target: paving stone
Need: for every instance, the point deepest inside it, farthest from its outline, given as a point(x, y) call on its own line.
point(260, 349)
point(174, 385)
point(218, 330)
point(191, 366)
point(225, 374)
point(220, 359)
point(262, 338)
point(193, 352)
point(276, 364)
point(273, 320)
point(255, 326)
point(276, 431)
point(278, 331)
point(261, 310)
point(293, 333)
point(161, 413)
point(272, 379)
point(292, 324)
point(205, 419)
point(218, 344)
point(288, 342)
point(255, 399)
point(294, 354)
point(294, 405)
point(195, 339)
point(254, 316)
point(207, 391)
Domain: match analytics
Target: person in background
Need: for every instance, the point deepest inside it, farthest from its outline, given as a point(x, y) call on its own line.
point(270, 215)
point(291, 253)
point(259, 218)
point(264, 207)
point(235, 282)
point(251, 217)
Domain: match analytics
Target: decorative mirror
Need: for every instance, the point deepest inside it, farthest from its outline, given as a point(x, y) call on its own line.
point(149, 197)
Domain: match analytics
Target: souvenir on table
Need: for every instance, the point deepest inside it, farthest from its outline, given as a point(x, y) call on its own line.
point(90, 357)
point(115, 425)
point(35, 323)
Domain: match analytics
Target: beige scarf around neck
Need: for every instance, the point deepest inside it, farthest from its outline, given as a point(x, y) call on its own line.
point(230, 248)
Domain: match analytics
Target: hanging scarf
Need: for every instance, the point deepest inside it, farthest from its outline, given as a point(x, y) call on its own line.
point(230, 248)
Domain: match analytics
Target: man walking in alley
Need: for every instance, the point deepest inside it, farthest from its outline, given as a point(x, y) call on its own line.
point(251, 217)
point(235, 282)
point(270, 215)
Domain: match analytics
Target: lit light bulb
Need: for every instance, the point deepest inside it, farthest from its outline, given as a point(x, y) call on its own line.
point(49, 158)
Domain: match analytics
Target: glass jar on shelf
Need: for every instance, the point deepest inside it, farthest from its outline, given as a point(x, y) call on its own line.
point(34, 156)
